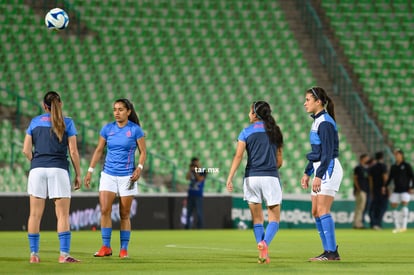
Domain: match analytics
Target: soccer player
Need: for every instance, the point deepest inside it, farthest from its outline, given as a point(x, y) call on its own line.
point(324, 164)
point(51, 134)
point(263, 141)
point(121, 137)
point(401, 173)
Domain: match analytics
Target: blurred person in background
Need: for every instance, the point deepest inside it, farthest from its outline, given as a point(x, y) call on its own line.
point(197, 176)
point(379, 176)
point(361, 190)
point(401, 174)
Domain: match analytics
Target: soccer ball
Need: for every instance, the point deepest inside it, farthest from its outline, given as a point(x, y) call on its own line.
point(242, 225)
point(57, 19)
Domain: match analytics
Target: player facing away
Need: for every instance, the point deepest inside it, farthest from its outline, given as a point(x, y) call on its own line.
point(121, 137)
point(263, 141)
point(401, 174)
point(325, 166)
point(51, 135)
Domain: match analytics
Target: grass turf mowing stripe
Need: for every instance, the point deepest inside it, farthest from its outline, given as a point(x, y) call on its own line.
point(213, 252)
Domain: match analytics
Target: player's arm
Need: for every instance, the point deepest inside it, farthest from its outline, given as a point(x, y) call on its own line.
point(279, 157)
point(95, 158)
point(188, 175)
point(142, 149)
point(27, 147)
point(304, 182)
point(326, 134)
point(74, 156)
point(238, 156)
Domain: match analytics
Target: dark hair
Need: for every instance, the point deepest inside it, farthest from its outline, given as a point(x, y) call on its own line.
point(379, 155)
point(194, 160)
point(362, 156)
point(398, 150)
point(263, 112)
point(52, 101)
point(133, 115)
point(319, 94)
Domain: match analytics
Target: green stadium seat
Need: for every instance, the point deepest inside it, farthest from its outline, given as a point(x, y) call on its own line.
point(193, 69)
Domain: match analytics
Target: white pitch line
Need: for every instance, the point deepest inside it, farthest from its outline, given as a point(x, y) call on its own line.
point(204, 248)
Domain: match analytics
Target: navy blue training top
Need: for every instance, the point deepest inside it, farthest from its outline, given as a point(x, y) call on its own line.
point(261, 153)
point(324, 143)
point(48, 151)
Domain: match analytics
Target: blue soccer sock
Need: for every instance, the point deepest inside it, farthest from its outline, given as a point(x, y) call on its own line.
point(271, 231)
point(125, 236)
point(106, 233)
point(64, 240)
point(328, 226)
point(34, 240)
point(321, 233)
point(258, 230)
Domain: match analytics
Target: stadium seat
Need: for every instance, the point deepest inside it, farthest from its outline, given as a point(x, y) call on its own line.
point(382, 39)
point(192, 70)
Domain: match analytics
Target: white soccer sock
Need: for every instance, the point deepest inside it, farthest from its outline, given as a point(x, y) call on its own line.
point(396, 216)
point(404, 217)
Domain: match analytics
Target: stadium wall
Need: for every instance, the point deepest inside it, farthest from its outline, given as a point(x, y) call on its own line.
point(147, 212)
point(167, 211)
point(296, 213)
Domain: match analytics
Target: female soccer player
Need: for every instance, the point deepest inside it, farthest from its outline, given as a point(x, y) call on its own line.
point(122, 137)
point(263, 141)
point(324, 164)
point(51, 134)
point(401, 174)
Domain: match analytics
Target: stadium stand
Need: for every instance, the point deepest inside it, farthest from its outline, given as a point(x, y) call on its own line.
point(376, 37)
point(192, 68)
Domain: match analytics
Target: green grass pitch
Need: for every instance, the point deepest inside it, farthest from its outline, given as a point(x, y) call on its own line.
point(214, 252)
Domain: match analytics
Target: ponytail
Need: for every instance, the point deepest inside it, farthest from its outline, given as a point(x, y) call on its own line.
point(319, 94)
point(52, 103)
point(330, 107)
point(263, 112)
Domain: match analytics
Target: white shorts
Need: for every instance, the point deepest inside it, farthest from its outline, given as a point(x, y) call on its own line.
point(49, 182)
point(266, 188)
point(330, 181)
point(116, 184)
point(397, 198)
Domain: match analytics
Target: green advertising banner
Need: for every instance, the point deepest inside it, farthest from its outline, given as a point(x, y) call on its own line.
point(296, 213)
